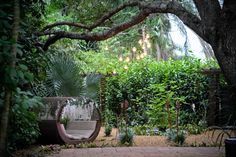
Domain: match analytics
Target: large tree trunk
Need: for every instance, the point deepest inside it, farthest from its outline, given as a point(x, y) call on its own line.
point(224, 44)
point(4, 122)
point(224, 47)
point(8, 91)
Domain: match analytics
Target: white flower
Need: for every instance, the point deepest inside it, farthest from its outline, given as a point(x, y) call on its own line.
point(193, 107)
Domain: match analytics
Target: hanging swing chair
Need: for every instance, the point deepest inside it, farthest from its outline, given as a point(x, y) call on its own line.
point(66, 120)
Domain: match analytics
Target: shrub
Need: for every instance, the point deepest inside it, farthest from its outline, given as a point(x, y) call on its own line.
point(107, 130)
point(23, 125)
point(139, 130)
point(195, 128)
point(173, 136)
point(146, 130)
point(142, 81)
point(126, 137)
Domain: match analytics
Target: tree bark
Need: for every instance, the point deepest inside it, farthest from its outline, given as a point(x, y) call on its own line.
point(8, 90)
point(224, 43)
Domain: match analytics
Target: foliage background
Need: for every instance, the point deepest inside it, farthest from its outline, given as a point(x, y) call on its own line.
point(23, 123)
point(148, 84)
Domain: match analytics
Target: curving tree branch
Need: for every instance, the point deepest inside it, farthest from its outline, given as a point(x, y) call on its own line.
point(99, 21)
point(145, 10)
point(98, 36)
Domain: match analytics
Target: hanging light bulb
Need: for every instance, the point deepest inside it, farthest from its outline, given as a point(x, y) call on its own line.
point(146, 40)
point(125, 67)
point(127, 59)
point(147, 36)
point(106, 48)
point(134, 49)
point(137, 57)
point(114, 72)
point(148, 45)
point(120, 58)
point(142, 56)
point(140, 41)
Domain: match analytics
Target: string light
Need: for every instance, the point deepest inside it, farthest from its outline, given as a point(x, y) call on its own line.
point(114, 72)
point(142, 56)
point(134, 49)
point(140, 41)
point(127, 59)
point(137, 57)
point(144, 44)
point(120, 59)
point(146, 40)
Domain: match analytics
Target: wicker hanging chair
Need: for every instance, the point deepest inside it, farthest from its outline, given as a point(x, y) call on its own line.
point(80, 127)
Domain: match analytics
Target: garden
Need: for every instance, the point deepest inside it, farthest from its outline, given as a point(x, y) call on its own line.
point(123, 80)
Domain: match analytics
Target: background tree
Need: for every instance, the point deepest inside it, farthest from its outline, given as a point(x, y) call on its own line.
point(19, 59)
point(214, 23)
point(8, 89)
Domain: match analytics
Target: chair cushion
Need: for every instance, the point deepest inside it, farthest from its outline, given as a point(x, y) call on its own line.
point(82, 125)
point(80, 133)
point(79, 129)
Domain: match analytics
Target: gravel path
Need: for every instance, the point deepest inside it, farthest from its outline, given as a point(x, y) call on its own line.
point(145, 146)
point(141, 152)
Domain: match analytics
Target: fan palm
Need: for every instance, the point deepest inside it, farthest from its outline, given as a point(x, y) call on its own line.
point(63, 76)
point(64, 79)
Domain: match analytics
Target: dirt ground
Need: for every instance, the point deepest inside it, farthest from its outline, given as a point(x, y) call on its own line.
point(204, 139)
point(201, 140)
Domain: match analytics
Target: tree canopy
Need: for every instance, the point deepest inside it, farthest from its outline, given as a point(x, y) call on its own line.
point(212, 20)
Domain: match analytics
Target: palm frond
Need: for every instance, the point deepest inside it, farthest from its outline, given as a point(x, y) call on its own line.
point(63, 76)
point(92, 85)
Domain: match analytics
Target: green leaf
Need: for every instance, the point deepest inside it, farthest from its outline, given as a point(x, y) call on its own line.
point(29, 76)
point(23, 67)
